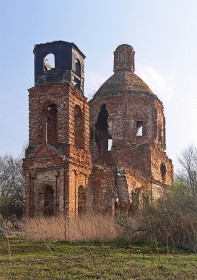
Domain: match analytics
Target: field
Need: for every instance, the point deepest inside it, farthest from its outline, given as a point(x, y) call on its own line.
point(23, 259)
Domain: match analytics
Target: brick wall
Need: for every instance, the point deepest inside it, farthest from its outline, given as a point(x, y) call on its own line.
point(63, 164)
point(109, 159)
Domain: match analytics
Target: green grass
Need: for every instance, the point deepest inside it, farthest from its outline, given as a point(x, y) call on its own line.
point(112, 260)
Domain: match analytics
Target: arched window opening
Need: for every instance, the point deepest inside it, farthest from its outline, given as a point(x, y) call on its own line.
point(78, 67)
point(77, 83)
point(81, 201)
point(139, 128)
point(102, 137)
point(79, 127)
point(50, 128)
point(49, 201)
point(163, 170)
point(109, 146)
point(49, 62)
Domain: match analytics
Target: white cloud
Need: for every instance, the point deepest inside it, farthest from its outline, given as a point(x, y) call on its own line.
point(159, 83)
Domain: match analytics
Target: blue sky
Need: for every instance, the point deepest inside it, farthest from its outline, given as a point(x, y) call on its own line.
point(163, 34)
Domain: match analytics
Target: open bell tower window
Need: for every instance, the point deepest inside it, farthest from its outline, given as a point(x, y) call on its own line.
point(49, 62)
point(78, 67)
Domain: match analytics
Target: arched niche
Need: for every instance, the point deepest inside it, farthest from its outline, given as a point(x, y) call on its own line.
point(50, 123)
point(79, 127)
point(48, 201)
point(81, 200)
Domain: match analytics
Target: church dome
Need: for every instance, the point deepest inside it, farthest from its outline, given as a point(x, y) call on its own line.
point(124, 79)
point(121, 81)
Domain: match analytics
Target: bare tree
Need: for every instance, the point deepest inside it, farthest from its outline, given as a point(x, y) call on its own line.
point(11, 186)
point(188, 170)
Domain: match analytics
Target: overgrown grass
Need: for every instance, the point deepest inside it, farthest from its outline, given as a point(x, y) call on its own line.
point(92, 247)
point(153, 226)
point(23, 259)
point(86, 228)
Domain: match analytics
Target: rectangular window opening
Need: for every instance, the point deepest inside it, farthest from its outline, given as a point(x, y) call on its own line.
point(109, 147)
point(139, 126)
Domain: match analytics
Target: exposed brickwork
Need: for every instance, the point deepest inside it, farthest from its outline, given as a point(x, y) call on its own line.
point(111, 160)
point(62, 165)
point(136, 126)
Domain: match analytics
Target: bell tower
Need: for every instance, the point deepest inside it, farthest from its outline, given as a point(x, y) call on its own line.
point(57, 163)
point(68, 64)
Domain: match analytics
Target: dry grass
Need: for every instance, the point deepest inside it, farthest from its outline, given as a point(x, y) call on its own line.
point(87, 228)
point(154, 226)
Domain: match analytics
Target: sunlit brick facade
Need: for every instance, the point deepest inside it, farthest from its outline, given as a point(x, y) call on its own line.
point(106, 160)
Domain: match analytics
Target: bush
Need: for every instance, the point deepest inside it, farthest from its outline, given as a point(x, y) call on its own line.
point(173, 219)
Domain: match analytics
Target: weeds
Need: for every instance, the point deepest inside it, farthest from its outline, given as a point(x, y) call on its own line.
point(152, 226)
point(87, 228)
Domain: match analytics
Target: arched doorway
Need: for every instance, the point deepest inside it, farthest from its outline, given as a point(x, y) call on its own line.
point(49, 201)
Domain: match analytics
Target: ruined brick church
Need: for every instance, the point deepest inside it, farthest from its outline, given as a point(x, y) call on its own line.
point(104, 156)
